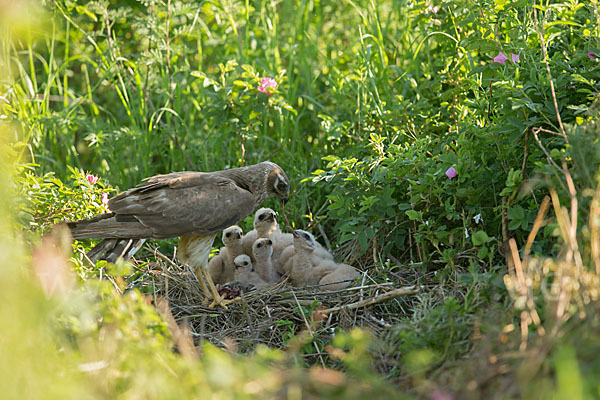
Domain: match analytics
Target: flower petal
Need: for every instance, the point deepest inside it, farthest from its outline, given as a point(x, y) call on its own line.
point(91, 178)
point(500, 58)
point(451, 173)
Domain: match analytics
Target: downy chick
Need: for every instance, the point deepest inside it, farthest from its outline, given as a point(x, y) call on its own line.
point(244, 273)
point(262, 249)
point(300, 265)
point(265, 226)
point(221, 267)
point(301, 269)
point(335, 279)
point(317, 256)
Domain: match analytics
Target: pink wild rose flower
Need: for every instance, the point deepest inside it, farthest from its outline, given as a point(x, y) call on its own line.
point(266, 83)
point(592, 55)
point(91, 178)
point(514, 58)
point(451, 173)
point(500, 58)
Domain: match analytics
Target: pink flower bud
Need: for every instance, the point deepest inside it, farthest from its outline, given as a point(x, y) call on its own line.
point(451, 173)
point(91, 178)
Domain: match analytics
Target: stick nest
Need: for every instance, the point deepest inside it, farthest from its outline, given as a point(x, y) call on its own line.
point(273, 316)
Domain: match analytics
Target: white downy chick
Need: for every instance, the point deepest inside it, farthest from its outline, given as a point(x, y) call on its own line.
point(265, 226)
point(341, 277)
point(221, 267)
point(301, 264)
point(262, 250)
point(317, 256)
point(244, 273)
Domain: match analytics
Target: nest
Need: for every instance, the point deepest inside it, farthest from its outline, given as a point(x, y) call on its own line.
point(277, 315)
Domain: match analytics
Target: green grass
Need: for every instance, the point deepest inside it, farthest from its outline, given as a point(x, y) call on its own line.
point(375, 101)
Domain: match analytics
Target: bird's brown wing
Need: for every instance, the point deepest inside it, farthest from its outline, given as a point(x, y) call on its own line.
point(185, 203)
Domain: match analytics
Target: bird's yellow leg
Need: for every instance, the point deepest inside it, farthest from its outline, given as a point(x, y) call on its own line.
point(205, 291)
point(209, 289)
point(217, 298)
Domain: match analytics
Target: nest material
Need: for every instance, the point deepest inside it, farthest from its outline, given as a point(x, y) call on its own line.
point(274, 315)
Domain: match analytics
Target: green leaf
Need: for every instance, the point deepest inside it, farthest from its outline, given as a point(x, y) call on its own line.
point(479, 238)
point(403, 206)
point(412, 215)
point(85, 11)
point(516, 212)
point(362, 241)
point(483, 252)
point(239, 83)
point(514, 224)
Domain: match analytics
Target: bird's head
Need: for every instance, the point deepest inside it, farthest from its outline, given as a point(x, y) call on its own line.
point(231, 235)
point(242, 263)
point(278, 184)
point(264, 221)
point(262, 248)
point(304, 240)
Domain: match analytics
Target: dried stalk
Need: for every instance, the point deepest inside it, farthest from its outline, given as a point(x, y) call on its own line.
point(545, 53)
point(374, 300)
point(539, 219)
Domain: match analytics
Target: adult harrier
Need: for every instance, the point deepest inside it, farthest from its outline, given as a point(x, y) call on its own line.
point(192, 205)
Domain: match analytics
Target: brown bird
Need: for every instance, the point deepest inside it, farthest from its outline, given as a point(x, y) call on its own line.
point(263, 266)
point(244, 273)
point(192, 205)
point(220, 266)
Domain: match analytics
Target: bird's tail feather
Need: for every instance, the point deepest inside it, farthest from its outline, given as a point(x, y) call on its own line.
point(111, 249)
point(109, 225)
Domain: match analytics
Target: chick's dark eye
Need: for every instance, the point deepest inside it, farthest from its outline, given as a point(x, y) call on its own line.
point(259, 245)
point(227, 234)
point(245, 262)
point(269, 242)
